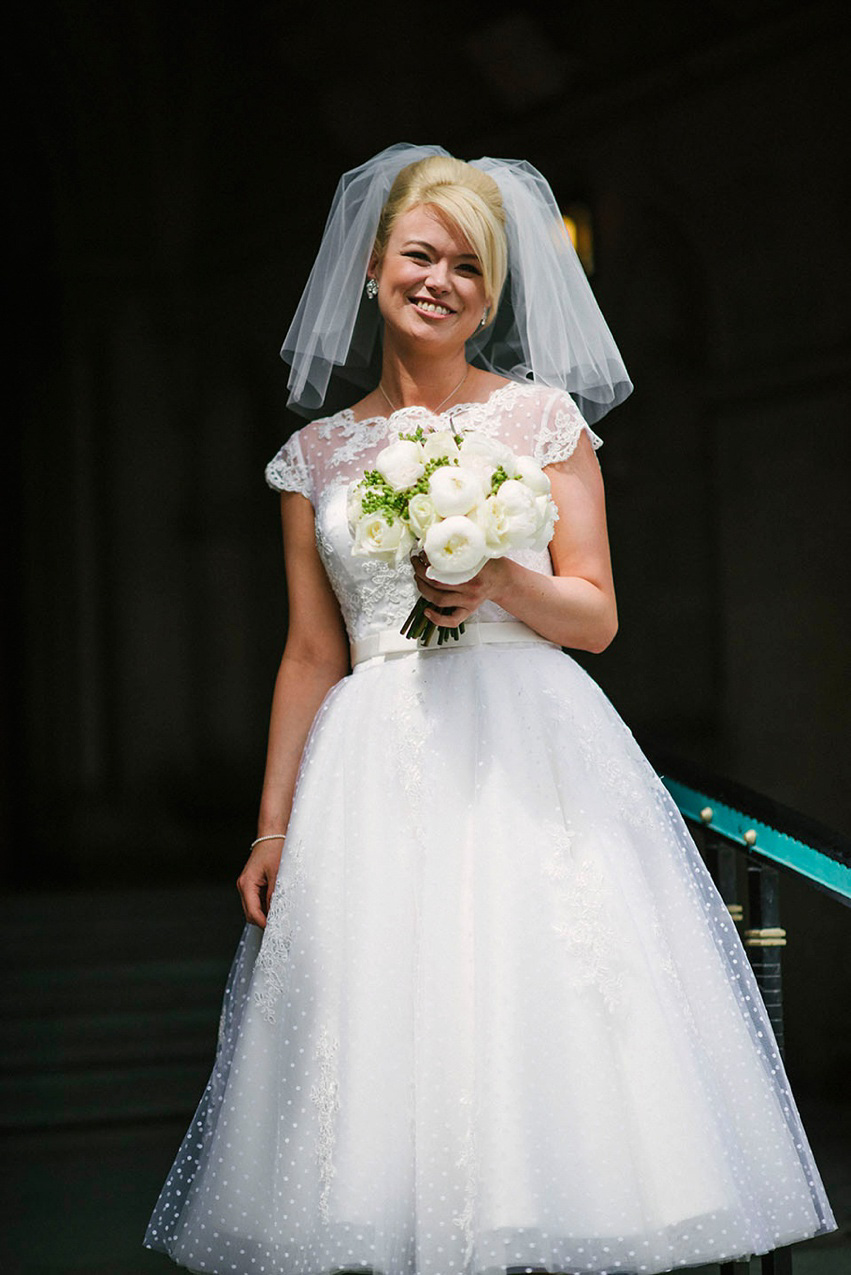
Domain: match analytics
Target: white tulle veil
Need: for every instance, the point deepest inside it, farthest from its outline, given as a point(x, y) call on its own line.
point(548, 326)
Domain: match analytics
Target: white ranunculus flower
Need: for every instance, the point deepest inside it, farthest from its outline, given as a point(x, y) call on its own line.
point(376, 537)
point(456, 550)
point(354, 506)
point(421, 513)
point(454, 490)
point(547, 518)
point(401, 464)
point(440, 443)
point(515, 513)
point(530, 473)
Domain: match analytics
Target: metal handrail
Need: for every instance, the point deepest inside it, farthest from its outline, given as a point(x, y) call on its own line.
point(823, 866)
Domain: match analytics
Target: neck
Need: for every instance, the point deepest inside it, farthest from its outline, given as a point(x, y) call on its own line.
point(412, 380)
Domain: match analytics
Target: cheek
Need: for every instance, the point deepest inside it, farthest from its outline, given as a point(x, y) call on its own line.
point(406, 280)
point(474, 292)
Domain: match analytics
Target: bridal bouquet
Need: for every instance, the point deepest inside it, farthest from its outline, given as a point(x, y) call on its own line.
point(461, 498)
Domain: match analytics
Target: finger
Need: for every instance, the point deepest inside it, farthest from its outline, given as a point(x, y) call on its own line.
point(448, 618)
point(252, 892)
point(456, 601)
point(421, 572)
point(437, 596)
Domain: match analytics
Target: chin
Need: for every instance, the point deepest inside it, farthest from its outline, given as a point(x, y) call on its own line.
point(447, 333)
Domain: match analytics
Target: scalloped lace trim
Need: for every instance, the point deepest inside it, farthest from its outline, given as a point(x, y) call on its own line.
point(559, 436)
point(287, 471)
point(579, 888)
point(325, 1096)
point(273, 958)
point(359, 436)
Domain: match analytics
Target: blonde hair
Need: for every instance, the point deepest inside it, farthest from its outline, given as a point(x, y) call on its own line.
point(467, 197)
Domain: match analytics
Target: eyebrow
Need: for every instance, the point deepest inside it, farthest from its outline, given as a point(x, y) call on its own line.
point(423, 243)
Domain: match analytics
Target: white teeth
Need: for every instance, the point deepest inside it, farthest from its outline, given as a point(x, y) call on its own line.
point(431, 307)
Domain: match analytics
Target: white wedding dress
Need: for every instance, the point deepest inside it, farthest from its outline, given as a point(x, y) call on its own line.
point(499, 1017)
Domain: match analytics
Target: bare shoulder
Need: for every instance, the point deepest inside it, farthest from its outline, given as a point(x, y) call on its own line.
point(368, 407)
point(481, 383)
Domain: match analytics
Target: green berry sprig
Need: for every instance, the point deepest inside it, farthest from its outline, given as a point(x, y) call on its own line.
point(498, 477)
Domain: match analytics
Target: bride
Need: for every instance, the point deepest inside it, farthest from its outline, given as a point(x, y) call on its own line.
point(489, 1013)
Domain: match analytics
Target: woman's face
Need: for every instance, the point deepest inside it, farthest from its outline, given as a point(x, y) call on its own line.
point(430, 286)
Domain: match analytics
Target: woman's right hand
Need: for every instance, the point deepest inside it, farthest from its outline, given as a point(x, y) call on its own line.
point(256, 882)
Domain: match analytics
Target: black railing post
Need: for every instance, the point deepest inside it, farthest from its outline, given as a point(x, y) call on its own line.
point(728, 880)
point(764, 938)
point(722, 861)
point(777, 1262)
point(734, 1268)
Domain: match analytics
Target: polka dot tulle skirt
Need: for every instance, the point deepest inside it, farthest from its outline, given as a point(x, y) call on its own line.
point(499, 1018)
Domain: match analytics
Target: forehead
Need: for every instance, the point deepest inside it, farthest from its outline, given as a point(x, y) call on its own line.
point(429, 225)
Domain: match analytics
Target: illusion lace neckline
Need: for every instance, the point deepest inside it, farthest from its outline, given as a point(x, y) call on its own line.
point(348, 413)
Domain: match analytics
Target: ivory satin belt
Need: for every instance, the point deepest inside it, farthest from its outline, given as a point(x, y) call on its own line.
point(389, 642)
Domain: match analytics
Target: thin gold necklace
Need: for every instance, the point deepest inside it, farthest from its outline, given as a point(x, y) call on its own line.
point(450, 395)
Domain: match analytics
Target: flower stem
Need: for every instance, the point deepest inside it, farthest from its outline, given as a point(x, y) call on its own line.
point(420, 629)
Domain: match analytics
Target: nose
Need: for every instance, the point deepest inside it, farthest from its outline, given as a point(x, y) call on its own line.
point(438, 276)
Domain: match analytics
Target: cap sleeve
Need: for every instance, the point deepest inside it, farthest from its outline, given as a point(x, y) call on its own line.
point(561, 427)
point(288, 471)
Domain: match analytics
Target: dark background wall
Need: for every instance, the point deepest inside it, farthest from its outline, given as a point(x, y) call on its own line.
point(171, 169)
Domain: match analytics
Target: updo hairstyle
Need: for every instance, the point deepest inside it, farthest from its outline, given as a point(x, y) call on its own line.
point(467, 197)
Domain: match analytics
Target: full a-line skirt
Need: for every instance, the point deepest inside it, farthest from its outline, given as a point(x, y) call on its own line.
point(499, 1016)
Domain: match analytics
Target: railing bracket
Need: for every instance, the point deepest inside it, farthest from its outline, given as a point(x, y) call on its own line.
point(774, 936)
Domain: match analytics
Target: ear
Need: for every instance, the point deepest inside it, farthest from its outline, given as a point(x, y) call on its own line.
point(372, 268)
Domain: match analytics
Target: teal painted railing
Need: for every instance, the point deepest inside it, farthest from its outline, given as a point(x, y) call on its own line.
point(822, 866)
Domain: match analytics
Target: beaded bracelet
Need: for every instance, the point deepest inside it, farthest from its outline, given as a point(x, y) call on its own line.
point(272, 836)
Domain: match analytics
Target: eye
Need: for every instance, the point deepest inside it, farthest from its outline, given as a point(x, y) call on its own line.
point(469, 266)
point(417, 256)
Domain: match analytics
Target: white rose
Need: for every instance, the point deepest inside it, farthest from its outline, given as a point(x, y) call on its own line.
point(514, 511)
point(440, 443)
point(401, 464)
point(454, 490)
point(547, 513)
point(456, 550)
point(421, 513)
point(375, 537)
point(530, 473)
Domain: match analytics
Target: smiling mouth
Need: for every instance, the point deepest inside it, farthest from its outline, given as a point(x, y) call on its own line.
point(431, 307)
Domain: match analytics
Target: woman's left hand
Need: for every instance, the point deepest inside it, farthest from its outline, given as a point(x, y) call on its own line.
point(452, 604)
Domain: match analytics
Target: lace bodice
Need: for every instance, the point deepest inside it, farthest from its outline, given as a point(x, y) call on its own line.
point(322, 458)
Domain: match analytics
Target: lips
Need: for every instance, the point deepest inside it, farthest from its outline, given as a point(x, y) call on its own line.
point(431, 307)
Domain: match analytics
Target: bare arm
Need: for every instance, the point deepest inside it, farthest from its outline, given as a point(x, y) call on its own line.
point(315, 657)
point(576, 606)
